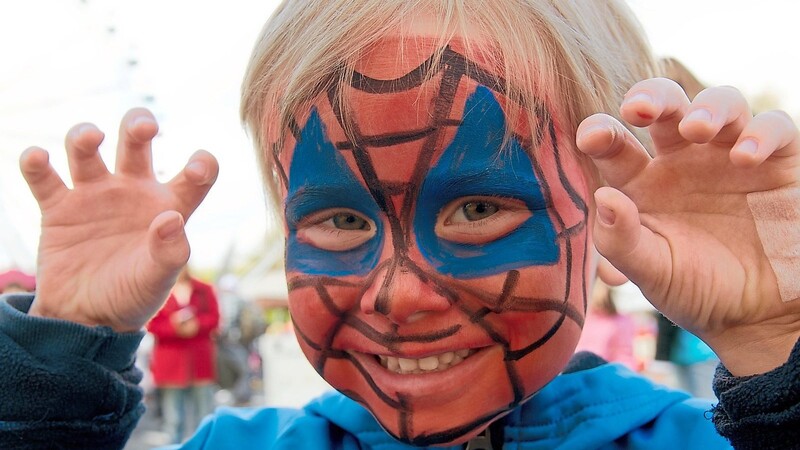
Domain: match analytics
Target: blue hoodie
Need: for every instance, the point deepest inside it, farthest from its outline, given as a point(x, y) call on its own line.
point(604, 407)
point(68, 386)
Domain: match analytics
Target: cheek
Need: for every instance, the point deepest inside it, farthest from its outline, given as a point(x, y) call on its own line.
point(539, 367)
point(316, 316)
point(311, 322)
point(540, 313)
point(555, 326)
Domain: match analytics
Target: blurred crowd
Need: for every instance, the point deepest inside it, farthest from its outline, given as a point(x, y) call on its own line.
point(201, 351)
point(645, 341)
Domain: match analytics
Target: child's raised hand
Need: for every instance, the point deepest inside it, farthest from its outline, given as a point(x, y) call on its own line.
point(679, 224)
point(111, 246)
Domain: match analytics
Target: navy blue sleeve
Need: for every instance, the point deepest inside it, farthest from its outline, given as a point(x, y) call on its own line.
point(65, 385)
point(762, 411)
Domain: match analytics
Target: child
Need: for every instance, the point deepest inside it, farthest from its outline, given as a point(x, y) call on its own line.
point(437, 165)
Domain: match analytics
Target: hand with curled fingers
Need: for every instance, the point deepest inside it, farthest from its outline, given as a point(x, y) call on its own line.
point(679, 225)
point(112, 245)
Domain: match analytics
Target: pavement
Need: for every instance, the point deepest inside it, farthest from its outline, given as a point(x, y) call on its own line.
point(148, 434)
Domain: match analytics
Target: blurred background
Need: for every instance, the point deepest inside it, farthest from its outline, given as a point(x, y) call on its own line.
point(68, 61)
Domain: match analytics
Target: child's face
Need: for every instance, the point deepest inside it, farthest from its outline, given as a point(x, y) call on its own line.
point(434, 277)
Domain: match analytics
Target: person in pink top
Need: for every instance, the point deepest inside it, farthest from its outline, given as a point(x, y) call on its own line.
point(607, 332)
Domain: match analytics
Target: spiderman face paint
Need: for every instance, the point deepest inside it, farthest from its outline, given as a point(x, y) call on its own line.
point(437, 271)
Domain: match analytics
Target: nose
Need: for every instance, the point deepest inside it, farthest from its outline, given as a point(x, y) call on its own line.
point(403, 295)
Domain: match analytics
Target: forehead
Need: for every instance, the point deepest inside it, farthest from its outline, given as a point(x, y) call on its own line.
point(405, 102)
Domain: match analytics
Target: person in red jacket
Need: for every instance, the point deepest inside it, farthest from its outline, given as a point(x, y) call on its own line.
point(183, 357)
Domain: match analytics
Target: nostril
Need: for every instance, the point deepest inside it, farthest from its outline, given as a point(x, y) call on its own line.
point(382, 302)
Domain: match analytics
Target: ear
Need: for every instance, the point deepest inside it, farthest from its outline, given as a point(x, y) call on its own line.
point(609, 274)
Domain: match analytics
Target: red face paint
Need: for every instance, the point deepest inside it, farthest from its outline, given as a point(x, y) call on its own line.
point(434, 354)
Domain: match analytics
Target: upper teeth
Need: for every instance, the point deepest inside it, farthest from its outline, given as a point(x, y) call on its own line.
point(428, 364)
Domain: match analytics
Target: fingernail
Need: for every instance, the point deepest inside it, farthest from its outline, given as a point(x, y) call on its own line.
point(83, 129)
point(591, 129)
point(198, 168)
point(86, 127)
point(699, 115)
point(606, 215)
point(639, 97)
point(588, 142)
point(171, 229)
point(142, 119)
point(748, 146)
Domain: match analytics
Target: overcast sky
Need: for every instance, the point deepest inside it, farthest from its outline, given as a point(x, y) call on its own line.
point(69, 61)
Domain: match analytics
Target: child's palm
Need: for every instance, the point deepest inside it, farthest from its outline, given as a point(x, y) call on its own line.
point(697, 255)
point(105, 254)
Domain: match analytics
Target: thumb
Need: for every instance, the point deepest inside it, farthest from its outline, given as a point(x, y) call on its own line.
point(609, 274)
point(629, 246)
point(167, 243)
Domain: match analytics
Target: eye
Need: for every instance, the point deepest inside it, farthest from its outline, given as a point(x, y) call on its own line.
point(350, 221)
point(336, 230)
point(480, 219)
point(477, 210)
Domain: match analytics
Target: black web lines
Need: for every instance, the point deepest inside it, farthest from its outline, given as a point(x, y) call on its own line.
point(452, 68)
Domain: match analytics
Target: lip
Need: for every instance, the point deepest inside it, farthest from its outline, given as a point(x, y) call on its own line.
point(431, 387)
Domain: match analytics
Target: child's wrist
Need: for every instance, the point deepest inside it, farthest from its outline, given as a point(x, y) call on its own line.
point(756, 352)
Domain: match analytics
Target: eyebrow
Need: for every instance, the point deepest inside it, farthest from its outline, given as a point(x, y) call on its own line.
point(502, 185)
point(312, 197)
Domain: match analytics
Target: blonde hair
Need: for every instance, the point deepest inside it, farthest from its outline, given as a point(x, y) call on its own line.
point(589, 52)
point(676, 71)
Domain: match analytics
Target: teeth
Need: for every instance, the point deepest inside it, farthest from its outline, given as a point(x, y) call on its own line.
point(446, 358)
point(407, 365)
point(433, 363)
point(429, 363)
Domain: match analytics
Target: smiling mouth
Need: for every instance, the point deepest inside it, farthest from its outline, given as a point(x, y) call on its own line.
point(428, 364)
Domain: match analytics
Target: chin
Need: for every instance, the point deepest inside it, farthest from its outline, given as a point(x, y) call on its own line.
point(446, 407)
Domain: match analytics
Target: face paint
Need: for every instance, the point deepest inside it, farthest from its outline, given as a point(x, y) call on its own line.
point(474, 164)
point(324, 182)
point(435, 277)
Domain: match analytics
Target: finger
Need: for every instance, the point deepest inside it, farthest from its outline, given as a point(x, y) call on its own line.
point(659, 104)
point(195, 180)
point(167, 244)
point(620, 237)
point(615, 151)
point(45, 184)
point(717, 115)
point(83, 156)
point(771, 133)
point(134, 150)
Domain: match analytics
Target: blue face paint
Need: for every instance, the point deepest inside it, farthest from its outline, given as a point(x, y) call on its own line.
point(473, 164)
point(319, 178)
